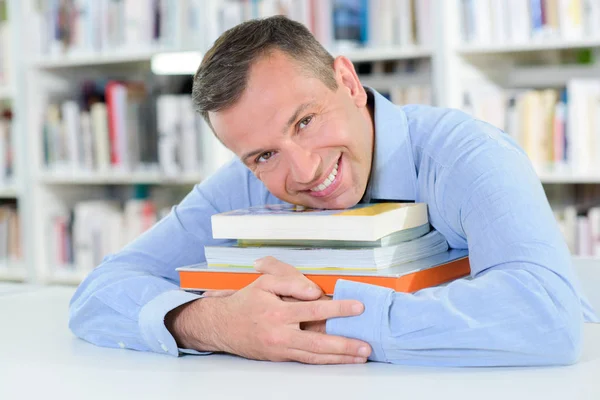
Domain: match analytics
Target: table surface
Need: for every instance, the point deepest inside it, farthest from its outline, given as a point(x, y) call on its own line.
point(41, 358)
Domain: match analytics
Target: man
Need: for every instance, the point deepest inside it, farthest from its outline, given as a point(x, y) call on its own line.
point(294, 115)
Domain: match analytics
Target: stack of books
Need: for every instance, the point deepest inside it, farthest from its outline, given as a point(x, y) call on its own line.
point(387, 244)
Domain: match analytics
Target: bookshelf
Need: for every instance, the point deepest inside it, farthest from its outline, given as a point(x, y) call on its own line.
point(536, 46)
point(47, 192)
point(14, 258)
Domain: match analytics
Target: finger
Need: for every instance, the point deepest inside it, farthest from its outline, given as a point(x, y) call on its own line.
point(324, 309)
point(322, 359)
point(320, 343)
point(289, 286)
point(218, 293)
point(272, 266)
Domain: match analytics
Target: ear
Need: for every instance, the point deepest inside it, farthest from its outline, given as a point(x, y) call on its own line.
point(347, 80)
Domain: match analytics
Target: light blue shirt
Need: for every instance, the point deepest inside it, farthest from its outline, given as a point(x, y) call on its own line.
point(522, 307)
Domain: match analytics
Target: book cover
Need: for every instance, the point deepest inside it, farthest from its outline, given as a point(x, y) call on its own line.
point(410, 277)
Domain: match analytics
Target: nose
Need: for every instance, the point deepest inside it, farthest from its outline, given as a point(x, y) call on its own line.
point(304, 164)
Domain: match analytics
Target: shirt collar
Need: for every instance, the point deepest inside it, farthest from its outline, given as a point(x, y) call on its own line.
point(393, 171)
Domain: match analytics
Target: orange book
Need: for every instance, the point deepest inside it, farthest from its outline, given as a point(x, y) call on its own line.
point(408, 277)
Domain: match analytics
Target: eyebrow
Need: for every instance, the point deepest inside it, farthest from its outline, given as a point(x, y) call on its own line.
point(289, 123)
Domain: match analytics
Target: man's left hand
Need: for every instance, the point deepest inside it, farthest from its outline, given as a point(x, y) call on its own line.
point(272, 266)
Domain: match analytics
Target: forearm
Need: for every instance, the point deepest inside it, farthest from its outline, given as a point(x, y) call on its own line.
point(191, 332)
point(513, 315)
point(124, 306)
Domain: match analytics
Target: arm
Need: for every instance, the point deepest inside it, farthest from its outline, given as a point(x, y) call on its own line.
point(123, 302)
point(521, 308)
point(132, 300)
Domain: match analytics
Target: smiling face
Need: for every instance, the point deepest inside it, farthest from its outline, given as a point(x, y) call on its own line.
point(308, 144)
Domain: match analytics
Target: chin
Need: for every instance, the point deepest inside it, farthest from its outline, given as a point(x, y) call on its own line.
point(338, 203)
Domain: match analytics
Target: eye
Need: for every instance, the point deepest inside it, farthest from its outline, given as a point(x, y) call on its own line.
point(304, 122)
point(264, 157)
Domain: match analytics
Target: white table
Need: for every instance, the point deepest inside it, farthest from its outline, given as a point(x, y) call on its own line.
point(15, 287)
point(588, 271)
point(40, 358)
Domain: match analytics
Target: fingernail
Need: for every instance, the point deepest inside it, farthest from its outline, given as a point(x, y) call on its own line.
point(258, 263)
point(364, 351)
point(312, 289)
point(358, 308)
point(360, 360)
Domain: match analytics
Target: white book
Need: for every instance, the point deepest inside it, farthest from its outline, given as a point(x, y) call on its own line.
point(364, 222)
point(168, 121)
point(307, 258)
point(300, 11)
point(211, 22)
point(100, 136)
point(584, 243)
point(519, 21)
point(571, 18)
point(499, 14)
point(137, 24)
point(213, 153)
point(72, 129)
point(323, 21)
point(375, 21)
point(188, 148)
point(423, 16)
point(87, 141)
point(194, 24)
point(594, 221)
point(570, 230)
point(581, 108)
point(4, 134)
point(404, 22)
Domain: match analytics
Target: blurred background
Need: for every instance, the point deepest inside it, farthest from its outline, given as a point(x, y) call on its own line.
point(98, 136)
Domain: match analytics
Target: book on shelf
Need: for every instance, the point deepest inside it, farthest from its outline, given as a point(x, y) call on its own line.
point(367, 222)
point(559, 129)
point(408, 277)
point(528, 21)
point(5, 45)
point(330, 255)
point(10, 232)
point(84, 235)
point(577, 211)
point(93, 27)
point(121, 126)
point(7, 150)
point(88, 27)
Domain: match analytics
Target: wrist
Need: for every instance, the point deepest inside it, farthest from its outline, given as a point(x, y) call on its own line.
point(194, 325)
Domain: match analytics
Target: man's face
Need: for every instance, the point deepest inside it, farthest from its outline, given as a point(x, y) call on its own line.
point(308, 144)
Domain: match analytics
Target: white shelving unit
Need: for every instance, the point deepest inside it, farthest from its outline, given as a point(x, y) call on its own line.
point(150, 178)
point(452, 62)
point(534, 46)
point(15, 188)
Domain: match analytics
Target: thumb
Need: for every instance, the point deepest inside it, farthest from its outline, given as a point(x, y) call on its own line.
point(272, 266)
point(299, 288)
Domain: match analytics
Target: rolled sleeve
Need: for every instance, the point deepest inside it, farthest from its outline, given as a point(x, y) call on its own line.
point(367, 326)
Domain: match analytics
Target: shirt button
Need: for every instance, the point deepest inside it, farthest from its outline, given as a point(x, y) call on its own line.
point(121, 345)
point(164, 347)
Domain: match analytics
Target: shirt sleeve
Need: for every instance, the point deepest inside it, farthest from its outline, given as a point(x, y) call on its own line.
point(123, 302)
point(523, 305)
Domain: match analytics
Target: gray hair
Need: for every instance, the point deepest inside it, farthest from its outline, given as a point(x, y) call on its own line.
point(223, 74)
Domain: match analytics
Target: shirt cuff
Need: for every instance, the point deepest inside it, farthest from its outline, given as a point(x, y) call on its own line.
point(367, 326)
point(152, 322)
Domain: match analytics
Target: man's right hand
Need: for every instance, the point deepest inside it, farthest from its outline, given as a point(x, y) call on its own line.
point(256, 323)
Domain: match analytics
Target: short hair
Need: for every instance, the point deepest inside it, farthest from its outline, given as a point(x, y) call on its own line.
point(223, 74)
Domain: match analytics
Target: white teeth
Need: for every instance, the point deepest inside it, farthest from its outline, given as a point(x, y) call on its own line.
point(327, 181)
